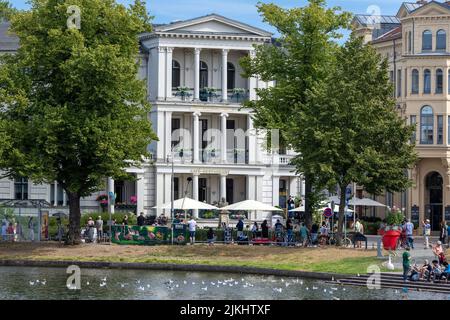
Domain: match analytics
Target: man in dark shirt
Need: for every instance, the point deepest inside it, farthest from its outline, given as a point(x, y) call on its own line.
point(141, 220)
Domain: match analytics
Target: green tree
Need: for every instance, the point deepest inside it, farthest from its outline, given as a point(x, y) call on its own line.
point(354, 133)
point(298, 63)
point(73, 108)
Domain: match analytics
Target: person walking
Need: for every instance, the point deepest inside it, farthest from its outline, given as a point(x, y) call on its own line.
point(303, 234)
point(31, 226)
point(443, 232)
point(359, 229)
point(289, 230)
point(426, 232)
point(314, 233)
point(4, 231)
point(99, 227)
point(19, 232)
point(10, 232)
point(192, 224)
point(439, 252)
point(406, 263)
point(409, 228)
point(255, 230)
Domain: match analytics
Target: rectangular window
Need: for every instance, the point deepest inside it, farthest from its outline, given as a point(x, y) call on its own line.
point(406, 82)
point(440, 129)
point(399, 83)
point(176, 126)
point(413, 121)
point(21, 188)
point(448, 130)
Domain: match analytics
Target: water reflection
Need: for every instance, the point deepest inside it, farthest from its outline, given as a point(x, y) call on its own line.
point(50, 283)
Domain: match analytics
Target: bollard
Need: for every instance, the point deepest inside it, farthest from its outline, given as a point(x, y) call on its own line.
point(379, 253)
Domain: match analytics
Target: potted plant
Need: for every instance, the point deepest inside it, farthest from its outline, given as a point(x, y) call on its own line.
point(392, 230)
point(209, 93)
point(103, 201)
point(238, 92)
point(183, 92)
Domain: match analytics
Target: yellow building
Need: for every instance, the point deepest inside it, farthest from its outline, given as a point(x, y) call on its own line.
point(416, 44)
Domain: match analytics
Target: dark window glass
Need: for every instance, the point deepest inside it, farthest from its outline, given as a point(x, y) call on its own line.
point(427, 81)
point(21, 188)
point(441, 40)
point(415, 81)
point(427, 40)
point(231, 74)
point(176, 74)
point(440, 129)
point(413, 121)
point(439, 81)
point(426, 125)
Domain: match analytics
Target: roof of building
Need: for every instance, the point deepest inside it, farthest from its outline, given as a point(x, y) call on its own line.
point(368, 20)
point(415, 6)
point(8, 42)
point(393, 34)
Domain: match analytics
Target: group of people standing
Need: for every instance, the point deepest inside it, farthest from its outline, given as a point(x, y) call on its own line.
point(13, 231)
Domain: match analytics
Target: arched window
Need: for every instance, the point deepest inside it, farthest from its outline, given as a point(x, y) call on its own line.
point(427, 81)
point(203, 75)
point(441, 40)
point(231, 74)
point(176, 74)
point(427, 40)
point(439, 81)
point(426, 125)
point(415, 81)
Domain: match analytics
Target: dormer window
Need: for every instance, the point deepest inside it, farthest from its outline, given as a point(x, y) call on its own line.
point(427, 40)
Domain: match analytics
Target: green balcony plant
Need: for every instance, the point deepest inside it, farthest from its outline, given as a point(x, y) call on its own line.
point(183, 92)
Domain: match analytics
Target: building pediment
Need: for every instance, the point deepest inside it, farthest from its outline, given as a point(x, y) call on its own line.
point(432, 8)
point(211, 24)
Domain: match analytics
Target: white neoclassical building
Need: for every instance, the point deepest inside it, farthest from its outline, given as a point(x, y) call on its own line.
point(196, 91)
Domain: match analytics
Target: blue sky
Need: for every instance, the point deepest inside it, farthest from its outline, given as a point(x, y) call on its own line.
point(243, 10)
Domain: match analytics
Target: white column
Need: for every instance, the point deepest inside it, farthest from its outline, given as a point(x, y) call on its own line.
point(160, 95)
point(223, 187)
point(169, 54)
point(259, 188)
point(168, 134)
point(252, 81)
point(64, 198)
point(251, 140)
point(196, 137)
point(110, 189)
point(139, 193)
point(55, 194)
point(160, 132)
point(251, 188)
point(195, 191)
point(275, 191)
point(167, 189)
point(224, 75)
point(293, 186)
point(197, 74)
point(445, 89)
point(223, 141)
point(159, 192)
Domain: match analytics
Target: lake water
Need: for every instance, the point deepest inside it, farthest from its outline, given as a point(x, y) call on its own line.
point(50, 283)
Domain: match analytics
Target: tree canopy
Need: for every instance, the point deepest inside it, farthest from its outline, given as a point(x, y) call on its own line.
point(73, 108)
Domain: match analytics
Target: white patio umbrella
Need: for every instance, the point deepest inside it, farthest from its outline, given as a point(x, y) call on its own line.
point(302, 209)
point(187, 204)
point(365, 202)
point(250, 205)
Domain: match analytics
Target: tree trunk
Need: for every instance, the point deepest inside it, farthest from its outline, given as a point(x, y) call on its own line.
point(74, 235)
point(308, 211)
point(341, 215)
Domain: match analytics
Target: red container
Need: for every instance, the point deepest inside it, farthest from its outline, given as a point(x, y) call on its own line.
point(390, 239)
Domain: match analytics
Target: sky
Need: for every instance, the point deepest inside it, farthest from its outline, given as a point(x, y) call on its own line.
point(165, 11)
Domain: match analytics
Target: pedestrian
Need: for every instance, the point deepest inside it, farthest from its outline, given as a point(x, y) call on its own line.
point(359, 229)
point(303, 234)
point(291, 206)
point(265, 229)
point(240, 227)
point(314, 233)
point(426, 232)
point(255, 229)
point(141, 220)
point(289, 230)
point(99, 227)
point(409, 229)
point(406, 263)
point(19, 232)
point(192, 228)
point(323, 233)
point(210, 236)
point(4, 231)
point(31, 226)
point(443, 232)
point(10, 232)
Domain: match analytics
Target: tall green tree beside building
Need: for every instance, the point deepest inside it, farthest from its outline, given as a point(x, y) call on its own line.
point(353, 134)
point(72, 106)
point(298, 62)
